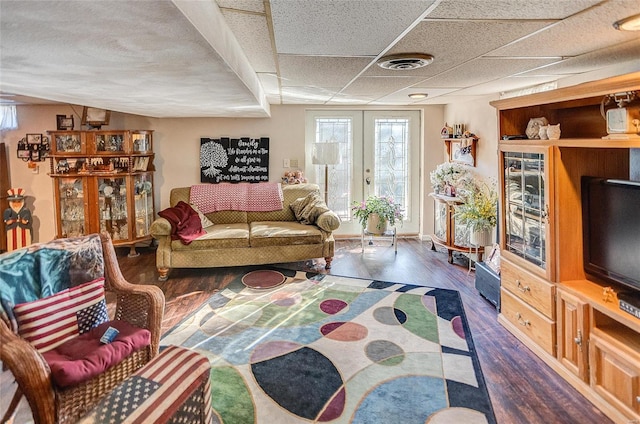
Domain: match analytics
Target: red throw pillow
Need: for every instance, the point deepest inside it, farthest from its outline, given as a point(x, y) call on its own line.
point(50, 321)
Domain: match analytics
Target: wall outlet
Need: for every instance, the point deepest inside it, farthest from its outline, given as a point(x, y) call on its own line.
point(285, 163)
point(293, 163)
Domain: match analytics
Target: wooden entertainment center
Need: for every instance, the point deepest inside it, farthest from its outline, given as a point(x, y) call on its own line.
point(547, 300)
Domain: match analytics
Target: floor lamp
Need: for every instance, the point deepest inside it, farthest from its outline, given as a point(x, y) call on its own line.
point(326, 154)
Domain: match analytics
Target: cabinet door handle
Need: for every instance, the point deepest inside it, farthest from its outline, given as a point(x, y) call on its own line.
point(523, 322)
point(578, 340)
point(522, 287)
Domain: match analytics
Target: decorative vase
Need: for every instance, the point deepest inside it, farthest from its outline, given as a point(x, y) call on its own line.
point(553, 132)
point(480, 238)
point(376, 225)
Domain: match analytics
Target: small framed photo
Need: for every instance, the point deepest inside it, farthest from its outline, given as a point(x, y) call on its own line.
point(34, 138)
point(64, 122)
point(463, 151)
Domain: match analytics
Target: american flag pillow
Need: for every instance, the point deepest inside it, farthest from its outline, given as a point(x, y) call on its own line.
point(50, 321)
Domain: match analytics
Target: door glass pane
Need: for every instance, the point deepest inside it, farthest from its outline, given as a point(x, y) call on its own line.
point(112, 201)
point(391, 164)
point(143, 195)
point(524, 206)
point(340, 130)
point(71, 192)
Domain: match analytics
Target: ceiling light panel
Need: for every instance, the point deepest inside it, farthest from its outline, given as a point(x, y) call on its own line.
point(341, 27)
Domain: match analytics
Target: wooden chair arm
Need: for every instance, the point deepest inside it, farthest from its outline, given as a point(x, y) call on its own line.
point(140, 305)
point(31, 372)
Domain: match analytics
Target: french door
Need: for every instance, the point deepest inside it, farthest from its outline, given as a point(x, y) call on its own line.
point(379, 155)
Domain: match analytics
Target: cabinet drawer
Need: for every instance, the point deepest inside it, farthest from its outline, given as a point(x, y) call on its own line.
point(529, 288)
point(615, 372)
point(532, 323)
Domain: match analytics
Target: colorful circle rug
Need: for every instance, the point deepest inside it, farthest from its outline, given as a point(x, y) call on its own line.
point(263, 279)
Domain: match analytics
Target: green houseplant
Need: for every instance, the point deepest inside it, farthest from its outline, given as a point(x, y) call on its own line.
point(377, 206)
point(479, 212)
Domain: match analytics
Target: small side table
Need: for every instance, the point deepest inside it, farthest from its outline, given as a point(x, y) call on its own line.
point(390, 233)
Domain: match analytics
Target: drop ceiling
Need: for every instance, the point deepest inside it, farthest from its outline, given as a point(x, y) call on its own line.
point(235, 58)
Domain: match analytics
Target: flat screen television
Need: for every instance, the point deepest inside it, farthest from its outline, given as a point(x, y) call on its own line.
point(611, 230)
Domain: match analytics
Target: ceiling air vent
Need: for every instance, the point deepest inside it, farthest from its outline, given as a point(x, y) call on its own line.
point(405, 61)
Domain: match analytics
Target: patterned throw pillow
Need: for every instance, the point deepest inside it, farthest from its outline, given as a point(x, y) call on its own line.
point(50, 321)
point(308, 209)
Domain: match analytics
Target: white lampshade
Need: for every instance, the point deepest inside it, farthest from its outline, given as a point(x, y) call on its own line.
point(326, 153)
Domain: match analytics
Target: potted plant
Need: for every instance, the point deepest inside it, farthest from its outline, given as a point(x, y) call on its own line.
point(449, 177)
point(376, 213)
point(479, 213)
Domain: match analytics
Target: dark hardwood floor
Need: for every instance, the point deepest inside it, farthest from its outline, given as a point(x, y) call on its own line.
point(522, 388)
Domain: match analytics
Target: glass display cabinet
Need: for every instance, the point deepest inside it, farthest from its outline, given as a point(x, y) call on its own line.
point(447, 233)
point(525, 206)
point(103, 182)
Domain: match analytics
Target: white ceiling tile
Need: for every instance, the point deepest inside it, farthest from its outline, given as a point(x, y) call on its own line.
point(341, 27)
point(252, 34)
point(375, 87)
point(454, 43)
point(504, 84)
point(402, 96)
point(583, 33)
point(305, 95)
point(247, 5)
point(480, 70)
point(510, 9)
point(622, 53)
point(300, 71)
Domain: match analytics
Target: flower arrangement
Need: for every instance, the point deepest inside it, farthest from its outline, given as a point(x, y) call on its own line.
point(480, 208)
point(385, 207)
point(451, 174)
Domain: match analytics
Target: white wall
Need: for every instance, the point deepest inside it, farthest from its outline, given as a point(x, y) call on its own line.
point(176, 145)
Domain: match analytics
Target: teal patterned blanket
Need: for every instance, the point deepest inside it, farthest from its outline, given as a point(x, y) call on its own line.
point(43, 269)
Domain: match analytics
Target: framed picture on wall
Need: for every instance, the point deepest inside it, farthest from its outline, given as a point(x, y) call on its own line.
point(95, 117)
point(463, 150)
point(64, 122)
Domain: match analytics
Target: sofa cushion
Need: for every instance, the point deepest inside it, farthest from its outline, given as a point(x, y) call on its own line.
point(81, 358)
point(220, 236)
point(52, 320)
point(307, 209)
point(279, 233)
